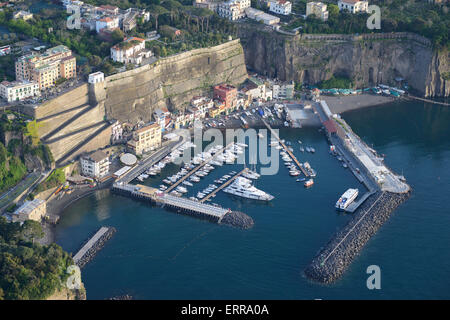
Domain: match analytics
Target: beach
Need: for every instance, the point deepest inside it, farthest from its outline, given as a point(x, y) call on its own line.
point(339, 104)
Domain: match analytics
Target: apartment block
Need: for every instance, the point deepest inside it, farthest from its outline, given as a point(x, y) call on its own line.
point(145, 139)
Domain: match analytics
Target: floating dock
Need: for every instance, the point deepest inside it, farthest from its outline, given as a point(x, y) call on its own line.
point(94, 244)
point(223, 185)
point(306, 174)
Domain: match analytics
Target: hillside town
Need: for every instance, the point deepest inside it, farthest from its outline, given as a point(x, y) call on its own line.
point(96, 107)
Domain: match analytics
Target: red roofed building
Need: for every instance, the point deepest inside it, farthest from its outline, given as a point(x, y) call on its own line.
point(227, 94)
point(330, 126)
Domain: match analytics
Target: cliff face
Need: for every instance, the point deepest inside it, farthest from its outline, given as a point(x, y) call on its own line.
point(133, 95)
point(367, 59)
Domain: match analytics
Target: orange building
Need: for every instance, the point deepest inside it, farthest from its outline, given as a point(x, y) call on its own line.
point(227, 94)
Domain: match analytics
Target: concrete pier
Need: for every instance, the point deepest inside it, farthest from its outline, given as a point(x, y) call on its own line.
point(183, 205)
point(223, 185)
point(286, 149)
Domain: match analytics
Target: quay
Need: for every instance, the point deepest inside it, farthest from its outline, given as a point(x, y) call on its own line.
point(386, 191)
point(94, 244)
point(183, 205)
point(286, 148)
point(173, 186)
point(223, 185)
point(150, 161)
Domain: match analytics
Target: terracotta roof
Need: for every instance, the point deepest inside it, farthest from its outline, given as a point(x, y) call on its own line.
point(330, 126)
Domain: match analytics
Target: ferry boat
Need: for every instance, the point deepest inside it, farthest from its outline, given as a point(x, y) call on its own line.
point(346, 199)
point(243, 187)
point(309, 183)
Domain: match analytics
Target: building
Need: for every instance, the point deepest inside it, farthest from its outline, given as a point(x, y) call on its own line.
point(353, 6)
point(318, 9)
point(116, 132)
point(259, 15)
point(283, 91)
point(206, 4)
point(95, 165)
point(129, 22)
point(280, 7)
point(46, 68)
point(108, 10)
point(227, 94)
point(145, 139)
point(19, 90)
point(96, 77)
point(233, 9)
point(131, 50)
point(30, 210)
point(24, 15)
point(108, 23)
point(160, 116)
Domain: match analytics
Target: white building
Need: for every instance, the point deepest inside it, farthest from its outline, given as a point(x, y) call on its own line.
point(116, 132)
point(95, 165)
point(24, 15)
point(30, 210)
point(19, 90)
point(131, 50)
point(233, 9)
point(96, 77)
point(280, 7)
point(108, 23)
point(353, 6)
point(283, 91)
point(318, 9)
point(259, 15)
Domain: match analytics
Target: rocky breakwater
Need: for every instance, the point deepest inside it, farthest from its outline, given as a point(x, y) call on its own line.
point(237, 219)
point(366, 59)
point(131, 96)
point(93, 249)
point(332, 260)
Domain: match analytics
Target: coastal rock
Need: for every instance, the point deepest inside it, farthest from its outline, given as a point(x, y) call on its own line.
point(366, 59)
point(238, 219)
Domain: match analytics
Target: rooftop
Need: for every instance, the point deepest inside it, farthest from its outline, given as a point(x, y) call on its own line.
point(97, 156)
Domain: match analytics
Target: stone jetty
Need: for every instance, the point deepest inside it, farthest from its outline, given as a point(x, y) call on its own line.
point(93, 245)
point(332, 260)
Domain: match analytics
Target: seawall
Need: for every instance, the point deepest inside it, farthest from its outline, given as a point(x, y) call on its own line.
point(332, 260)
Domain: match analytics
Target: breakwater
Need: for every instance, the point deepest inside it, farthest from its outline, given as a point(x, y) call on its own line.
point(332, 260)
point(93, 245)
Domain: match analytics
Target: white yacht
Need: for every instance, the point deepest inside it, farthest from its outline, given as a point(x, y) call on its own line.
point(251, 175)
point(243, 187)
point(346, 199)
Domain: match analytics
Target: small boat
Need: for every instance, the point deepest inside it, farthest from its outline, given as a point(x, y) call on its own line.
point(345, 165)
point(309, 183)
point(300, 141)
point(302, 149)
point(187, 183)
point(300, 179)
point(166, 181)
point(294, 173)
point(181, 189)
point(312, 150)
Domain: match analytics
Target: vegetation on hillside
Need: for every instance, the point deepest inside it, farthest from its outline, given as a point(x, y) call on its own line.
point(29, 270)
point(336, 82)
point(55, 179)
point(418, 16)
point(25, 143)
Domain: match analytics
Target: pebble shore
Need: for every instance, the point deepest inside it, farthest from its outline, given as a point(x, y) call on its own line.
point(333, 259)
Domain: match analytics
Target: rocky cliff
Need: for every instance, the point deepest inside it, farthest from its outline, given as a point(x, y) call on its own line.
point(133, 95)
point(367, 59)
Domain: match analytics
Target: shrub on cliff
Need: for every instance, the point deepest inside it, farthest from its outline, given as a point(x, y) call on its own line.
point(29, 270)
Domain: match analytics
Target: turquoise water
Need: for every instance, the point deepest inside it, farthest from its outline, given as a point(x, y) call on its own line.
point(157, 254)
